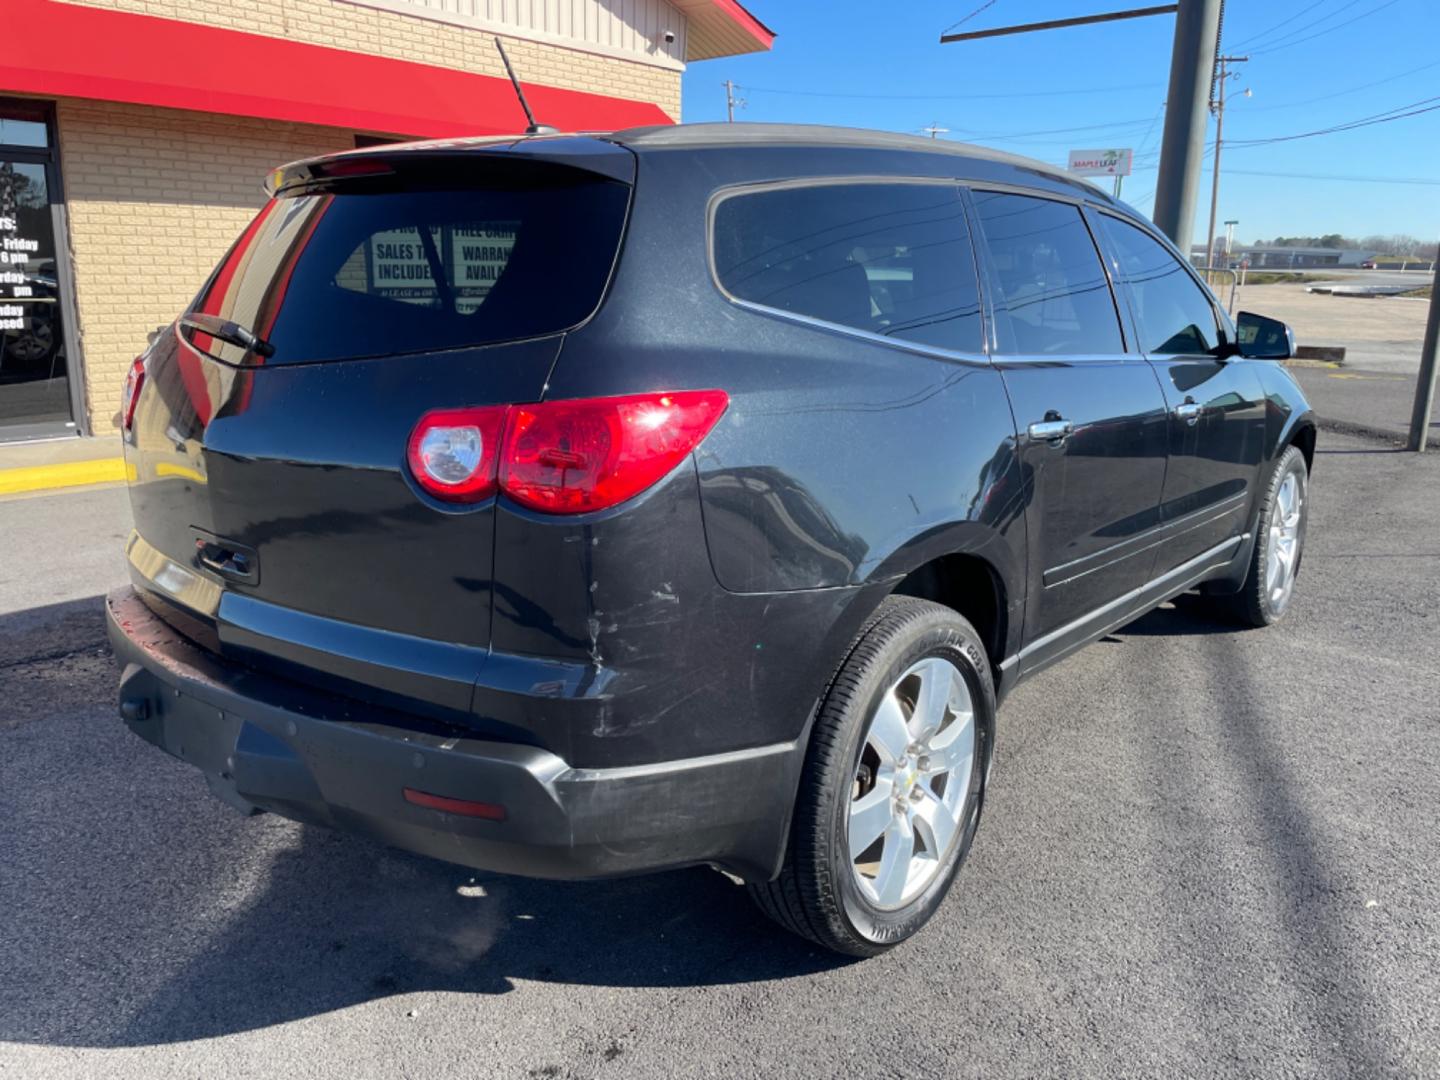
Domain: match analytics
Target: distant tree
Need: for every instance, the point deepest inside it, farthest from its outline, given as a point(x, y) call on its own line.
point(1398, 245)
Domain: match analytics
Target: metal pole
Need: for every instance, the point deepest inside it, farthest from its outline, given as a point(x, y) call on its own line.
point(1215, 175)
point(1182, 148)
point(1220, 81)
point(1429, 365)
point(729, 101)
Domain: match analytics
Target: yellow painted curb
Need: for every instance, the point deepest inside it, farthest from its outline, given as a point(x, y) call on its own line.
point(67, 474)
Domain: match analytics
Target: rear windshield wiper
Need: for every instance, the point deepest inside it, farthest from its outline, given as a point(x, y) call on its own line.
point(227, 331)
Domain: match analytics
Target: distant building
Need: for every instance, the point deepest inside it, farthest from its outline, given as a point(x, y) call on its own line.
point(1273, 257)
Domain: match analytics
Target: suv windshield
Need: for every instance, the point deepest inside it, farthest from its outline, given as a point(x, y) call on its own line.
point(373, 272)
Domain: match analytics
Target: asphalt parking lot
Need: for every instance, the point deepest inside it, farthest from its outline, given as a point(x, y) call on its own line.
point(1205, 852)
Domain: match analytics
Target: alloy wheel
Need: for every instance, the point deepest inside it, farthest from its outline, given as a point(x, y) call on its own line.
point(1282, 544)
point(912, 783)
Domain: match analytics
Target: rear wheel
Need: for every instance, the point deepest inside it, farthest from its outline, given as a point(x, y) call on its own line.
point(890, 796)
point(1279, 544)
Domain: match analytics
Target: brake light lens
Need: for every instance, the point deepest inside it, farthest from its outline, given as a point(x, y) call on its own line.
point(570, 457)
point(453, 452)
point(130, 393)
point(561, 457)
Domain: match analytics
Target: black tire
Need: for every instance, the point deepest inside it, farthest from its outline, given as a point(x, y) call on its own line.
point(1255, 604)
point(817, 895)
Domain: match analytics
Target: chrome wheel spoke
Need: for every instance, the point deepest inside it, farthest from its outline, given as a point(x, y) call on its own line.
point(953, 747)
point(895, 858)
point(936, 824)
point(888, 732)
point(933, 699)
point(870, 816)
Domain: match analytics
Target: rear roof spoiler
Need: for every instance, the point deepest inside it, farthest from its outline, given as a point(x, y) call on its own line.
point(586, 153)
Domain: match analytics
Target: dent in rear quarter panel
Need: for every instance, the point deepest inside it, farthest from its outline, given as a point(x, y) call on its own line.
point(614, 645)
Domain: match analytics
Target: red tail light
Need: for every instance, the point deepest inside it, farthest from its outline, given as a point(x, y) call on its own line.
point(130, 394)
point(561, 457)
point(567, 457)
point(453, 452)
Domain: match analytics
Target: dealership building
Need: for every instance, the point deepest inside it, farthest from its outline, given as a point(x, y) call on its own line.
point(135, 134)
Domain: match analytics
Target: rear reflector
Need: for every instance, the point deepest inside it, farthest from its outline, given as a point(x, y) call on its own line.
point(453, 452)
point(130, 394)
point(561, 457)
point(462, 807)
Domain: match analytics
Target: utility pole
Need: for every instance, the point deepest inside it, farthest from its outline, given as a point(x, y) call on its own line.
point(1218, 107)
point(934, 130)
point(731, 101)
point(1192, 65)
point(1182, 147)
point(1429, 365)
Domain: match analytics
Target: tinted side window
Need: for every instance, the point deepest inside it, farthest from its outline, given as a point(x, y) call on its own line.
point(1174, 313)
point(893, 259)
point(1050, 276)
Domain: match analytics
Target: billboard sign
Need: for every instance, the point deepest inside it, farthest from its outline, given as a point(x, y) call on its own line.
point(1101, 162)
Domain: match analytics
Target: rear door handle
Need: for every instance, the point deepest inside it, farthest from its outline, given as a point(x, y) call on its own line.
point(1051, 430)
point(1189, 412)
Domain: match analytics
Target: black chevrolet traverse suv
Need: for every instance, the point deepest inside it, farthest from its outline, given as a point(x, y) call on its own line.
point(584, 505)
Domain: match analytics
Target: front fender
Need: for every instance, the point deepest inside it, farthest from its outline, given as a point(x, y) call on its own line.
point(1287, 410)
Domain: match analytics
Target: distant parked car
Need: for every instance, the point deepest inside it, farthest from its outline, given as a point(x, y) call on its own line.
point(1368, 264)
point(580, 506)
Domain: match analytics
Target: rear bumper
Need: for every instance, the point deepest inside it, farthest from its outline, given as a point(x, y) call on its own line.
point(266, 743)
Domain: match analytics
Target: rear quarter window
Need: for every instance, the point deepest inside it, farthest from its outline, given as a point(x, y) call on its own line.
point(892, 259)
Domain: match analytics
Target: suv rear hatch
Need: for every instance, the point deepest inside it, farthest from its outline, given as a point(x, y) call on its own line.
point(276, 521)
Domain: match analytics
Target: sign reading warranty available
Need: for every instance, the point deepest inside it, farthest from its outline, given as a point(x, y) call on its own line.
point(1100, 162)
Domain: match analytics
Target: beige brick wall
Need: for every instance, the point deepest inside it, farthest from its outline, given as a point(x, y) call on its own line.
point(407, 37)
point(155, 198)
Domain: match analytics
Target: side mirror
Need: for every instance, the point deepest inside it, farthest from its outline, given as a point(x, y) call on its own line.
point(1262, 338)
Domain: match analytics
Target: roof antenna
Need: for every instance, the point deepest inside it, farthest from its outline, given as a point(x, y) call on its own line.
point(534, 128)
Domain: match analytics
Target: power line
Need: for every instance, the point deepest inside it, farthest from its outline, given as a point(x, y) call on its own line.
point(1335, 176)
point(1286, 43)
point(942, 97)
point(1342, 93)
point(1286, 22)
point(1365, 121)
point(967, 18)
point(1021, 136)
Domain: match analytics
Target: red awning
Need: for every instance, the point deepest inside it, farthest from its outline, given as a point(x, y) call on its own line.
point(66, 50)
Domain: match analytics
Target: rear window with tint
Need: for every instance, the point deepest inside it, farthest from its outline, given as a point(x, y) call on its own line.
point(344, 275)
point(891, 259)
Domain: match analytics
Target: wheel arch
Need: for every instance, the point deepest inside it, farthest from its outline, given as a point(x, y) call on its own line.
point(973, 588)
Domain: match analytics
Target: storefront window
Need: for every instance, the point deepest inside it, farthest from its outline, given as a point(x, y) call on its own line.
point(35, 393)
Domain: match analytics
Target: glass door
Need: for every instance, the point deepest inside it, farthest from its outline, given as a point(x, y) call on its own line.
point(36, 396)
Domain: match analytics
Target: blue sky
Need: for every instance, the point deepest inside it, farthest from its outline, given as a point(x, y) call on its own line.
point(878, 64)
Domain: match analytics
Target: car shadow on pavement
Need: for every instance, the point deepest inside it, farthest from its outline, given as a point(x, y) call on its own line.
point(340, 921)
point(139, 911)
point(1187, 615)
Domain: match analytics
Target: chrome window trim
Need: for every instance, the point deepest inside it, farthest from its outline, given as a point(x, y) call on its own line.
point(751, 188)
